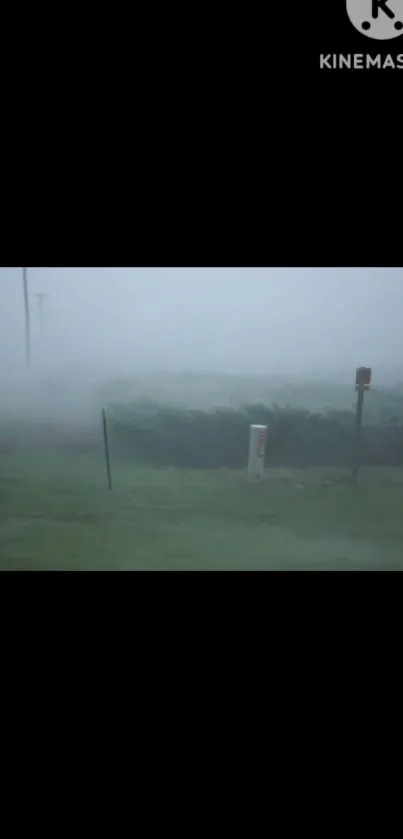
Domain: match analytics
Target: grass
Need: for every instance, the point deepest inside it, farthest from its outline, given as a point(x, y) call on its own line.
point(57, 514)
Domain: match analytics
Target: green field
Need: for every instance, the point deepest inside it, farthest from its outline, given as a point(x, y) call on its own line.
point(57, 513)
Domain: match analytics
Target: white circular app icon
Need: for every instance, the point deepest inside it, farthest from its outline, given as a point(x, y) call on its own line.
point(379, 19)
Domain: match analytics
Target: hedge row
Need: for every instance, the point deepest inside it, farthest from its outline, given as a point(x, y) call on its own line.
point(220, 438)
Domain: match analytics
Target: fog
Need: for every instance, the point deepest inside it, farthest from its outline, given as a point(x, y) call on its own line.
point(300, 323)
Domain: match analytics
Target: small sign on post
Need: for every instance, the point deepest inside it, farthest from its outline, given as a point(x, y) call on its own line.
point(363, 378)
point(362, 383)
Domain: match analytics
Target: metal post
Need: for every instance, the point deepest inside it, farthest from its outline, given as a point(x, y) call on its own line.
point(358, 432)
point(27, 319)
point(106, 447)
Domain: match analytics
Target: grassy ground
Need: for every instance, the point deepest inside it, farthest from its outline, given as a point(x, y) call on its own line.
point(56, 513)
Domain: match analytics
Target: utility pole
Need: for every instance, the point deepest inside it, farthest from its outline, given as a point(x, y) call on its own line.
point(40, 298)
point(27, 319)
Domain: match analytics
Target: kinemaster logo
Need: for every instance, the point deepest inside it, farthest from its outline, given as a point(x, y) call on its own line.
point(377, 20)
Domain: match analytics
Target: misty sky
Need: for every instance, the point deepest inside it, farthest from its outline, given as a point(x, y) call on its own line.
point(275, 320)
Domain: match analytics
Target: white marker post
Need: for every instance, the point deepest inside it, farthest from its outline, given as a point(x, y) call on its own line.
point(257, 445)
